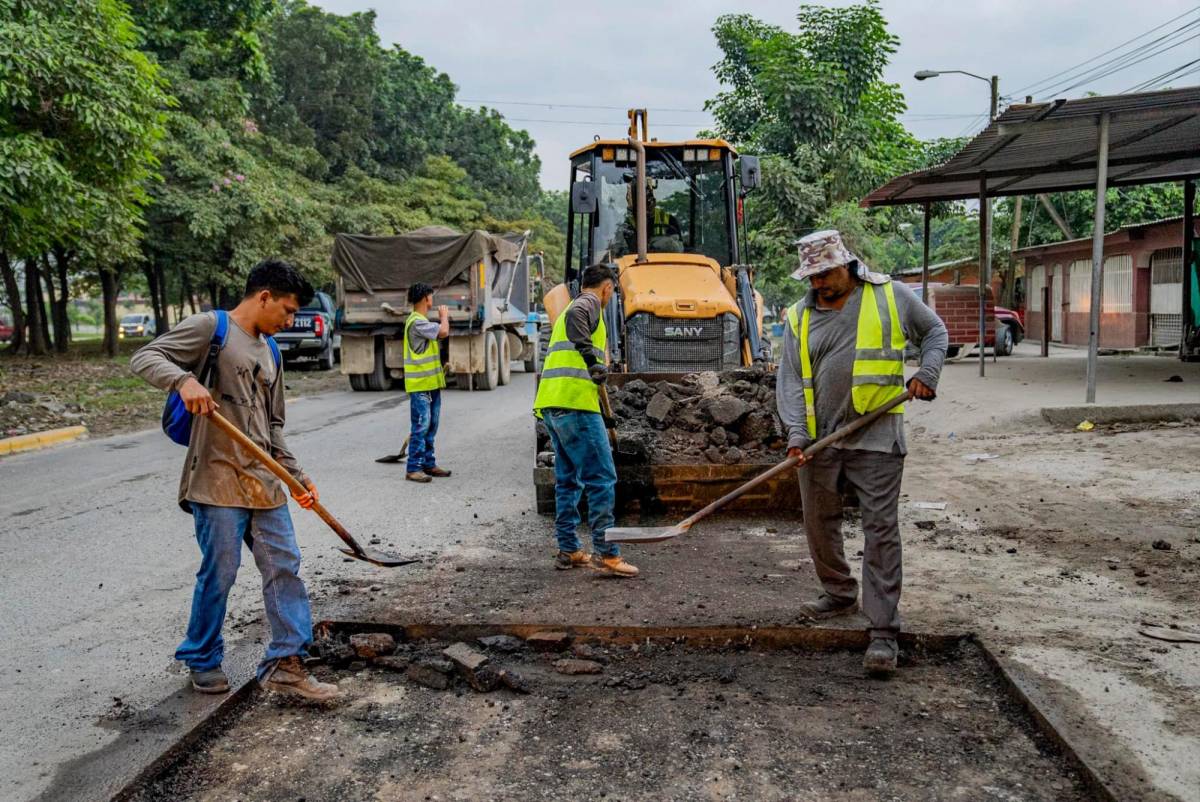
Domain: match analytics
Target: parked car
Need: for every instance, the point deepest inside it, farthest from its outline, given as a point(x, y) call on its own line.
point(136, 326)
point(6, 331)
point(312, 334)
point(1009, 330)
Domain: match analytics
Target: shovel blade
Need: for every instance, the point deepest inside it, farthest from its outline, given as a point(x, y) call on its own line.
point(641, 534)
point(379, 558)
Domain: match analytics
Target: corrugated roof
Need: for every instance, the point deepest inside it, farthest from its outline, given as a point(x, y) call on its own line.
point(1052, 147)
point(1081, 241)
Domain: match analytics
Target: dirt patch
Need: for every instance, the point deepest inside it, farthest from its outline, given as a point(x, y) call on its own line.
point(86, 388)
point(662, 721)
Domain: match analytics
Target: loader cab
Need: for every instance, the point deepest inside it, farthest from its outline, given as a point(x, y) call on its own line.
point(691, 206)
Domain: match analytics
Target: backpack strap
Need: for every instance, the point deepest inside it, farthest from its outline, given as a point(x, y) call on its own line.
point(219, 335)
point(275, 353)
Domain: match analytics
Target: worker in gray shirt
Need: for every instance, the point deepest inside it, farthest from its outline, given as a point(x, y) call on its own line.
point(843, 356)
point(231, 496)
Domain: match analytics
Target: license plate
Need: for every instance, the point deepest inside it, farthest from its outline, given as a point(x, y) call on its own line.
point(303, 323)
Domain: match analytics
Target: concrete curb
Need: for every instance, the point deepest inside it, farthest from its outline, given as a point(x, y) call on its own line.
point(1133, 413)
point(32, 442)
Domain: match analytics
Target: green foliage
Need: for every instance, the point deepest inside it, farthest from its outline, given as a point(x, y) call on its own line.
point(79, 116)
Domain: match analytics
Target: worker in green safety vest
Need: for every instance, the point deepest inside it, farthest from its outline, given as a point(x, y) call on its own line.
point(424, 378)
point(568, 404)
point(844, 357)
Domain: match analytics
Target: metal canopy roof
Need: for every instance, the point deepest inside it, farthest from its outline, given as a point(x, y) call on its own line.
point(1052, 147)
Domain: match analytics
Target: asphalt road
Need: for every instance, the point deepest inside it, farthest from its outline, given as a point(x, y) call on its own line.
point(98, 563)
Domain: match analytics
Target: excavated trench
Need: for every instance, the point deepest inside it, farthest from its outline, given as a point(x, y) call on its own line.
point(467, 712)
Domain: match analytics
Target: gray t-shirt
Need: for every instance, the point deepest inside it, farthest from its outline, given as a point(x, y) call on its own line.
point(582, 319)
point(248, 391)
point(420, 333)
point(832, 337)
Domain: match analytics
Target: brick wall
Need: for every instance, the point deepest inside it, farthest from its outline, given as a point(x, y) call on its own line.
point(958, 307)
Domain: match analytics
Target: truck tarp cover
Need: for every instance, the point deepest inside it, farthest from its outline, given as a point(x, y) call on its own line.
point(434, 255)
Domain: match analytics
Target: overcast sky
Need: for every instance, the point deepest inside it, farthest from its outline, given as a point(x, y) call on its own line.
point(623, 53)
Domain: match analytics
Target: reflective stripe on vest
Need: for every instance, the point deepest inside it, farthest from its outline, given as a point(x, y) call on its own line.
point(878, 373)
point(565, 383)
point(422, 372)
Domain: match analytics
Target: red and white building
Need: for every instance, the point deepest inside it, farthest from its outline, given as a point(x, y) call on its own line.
point(1141, 289)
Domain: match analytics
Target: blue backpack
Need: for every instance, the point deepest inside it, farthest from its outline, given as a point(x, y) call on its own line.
point(176, 420)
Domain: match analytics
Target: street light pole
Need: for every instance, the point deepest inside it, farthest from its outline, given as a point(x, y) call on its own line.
point(985, 206)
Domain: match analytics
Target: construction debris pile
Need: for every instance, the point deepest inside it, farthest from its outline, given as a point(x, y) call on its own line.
point(724, 418)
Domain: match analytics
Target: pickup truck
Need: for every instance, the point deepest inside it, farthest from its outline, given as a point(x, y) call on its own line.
point(312, 334)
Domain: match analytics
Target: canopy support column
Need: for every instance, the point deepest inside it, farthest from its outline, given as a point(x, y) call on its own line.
point(1097, 256)
point(925, 259)
point(985, 249)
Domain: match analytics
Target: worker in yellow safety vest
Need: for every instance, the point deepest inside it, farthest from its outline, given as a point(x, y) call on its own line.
point(568, 404)
point(424, 379)
point(844, 357)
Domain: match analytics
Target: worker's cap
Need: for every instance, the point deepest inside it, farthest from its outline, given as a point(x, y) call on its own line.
point(821, 252)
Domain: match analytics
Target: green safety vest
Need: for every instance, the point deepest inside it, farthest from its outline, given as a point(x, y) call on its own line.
point(661, 226)
point(422, 372)
point(878, 374)
point(565, 383)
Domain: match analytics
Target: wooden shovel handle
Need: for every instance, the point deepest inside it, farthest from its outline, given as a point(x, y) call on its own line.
point(606, 409)
point(292, 482)
point(790, 462)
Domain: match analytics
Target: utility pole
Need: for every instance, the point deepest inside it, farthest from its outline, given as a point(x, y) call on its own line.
point(995, 82)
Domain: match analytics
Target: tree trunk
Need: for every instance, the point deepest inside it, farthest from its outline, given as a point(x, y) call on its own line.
point(58, 299)
point(153, 275)
point(186, 291)
point(37, 341)
point(1010, 276)
point(13, 290)
point(212, 295)
point(110, 286)
point(64, 293)
point(164, 325)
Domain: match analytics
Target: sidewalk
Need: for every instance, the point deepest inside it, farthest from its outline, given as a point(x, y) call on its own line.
point(1017, 388)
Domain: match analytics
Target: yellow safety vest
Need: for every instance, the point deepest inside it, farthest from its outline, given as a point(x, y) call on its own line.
point(565, 383)
point(422, 372)
point(661, 226)
point(878, 374)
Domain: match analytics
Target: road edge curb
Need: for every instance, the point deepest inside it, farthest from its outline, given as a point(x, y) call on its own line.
point(39, 440)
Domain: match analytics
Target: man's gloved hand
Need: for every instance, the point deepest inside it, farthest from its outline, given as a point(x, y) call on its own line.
point(598, 373)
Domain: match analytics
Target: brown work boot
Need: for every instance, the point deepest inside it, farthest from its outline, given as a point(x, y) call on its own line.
point(826, 606)
point(418, 476)
point(614, 566)
point(566, 560)
point(289, 677)
point(211, 681)
point(440, 473)
point(881, 657)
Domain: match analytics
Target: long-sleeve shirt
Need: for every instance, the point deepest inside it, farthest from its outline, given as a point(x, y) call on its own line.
point(249, 392)
point(832, 337)
point(582, 319)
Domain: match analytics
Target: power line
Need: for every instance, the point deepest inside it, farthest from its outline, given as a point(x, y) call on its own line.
point(1050, 78)
point(1164, 78)
point(573, 106)
point(1149, 49)
point(1114, 70)
point(596, 122)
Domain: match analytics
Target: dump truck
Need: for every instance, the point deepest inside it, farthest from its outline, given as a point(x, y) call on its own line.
point(483, 278)
point(668, 216)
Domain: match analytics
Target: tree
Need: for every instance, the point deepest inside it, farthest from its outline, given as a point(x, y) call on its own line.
point(79, 114)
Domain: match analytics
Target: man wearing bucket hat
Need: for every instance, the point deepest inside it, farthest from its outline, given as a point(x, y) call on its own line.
point(843, 356)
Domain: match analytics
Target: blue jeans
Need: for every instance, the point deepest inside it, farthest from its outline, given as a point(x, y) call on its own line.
point(219, 532)
point(582, 461)
point(424, 410)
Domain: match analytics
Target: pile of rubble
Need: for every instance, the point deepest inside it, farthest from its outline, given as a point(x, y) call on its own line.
point(722, 418)
point(24, 413)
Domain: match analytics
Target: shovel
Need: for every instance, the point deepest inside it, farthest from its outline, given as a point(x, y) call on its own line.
point(392, 458)
point(606, 410)
point(655, 534)
point(356, 551)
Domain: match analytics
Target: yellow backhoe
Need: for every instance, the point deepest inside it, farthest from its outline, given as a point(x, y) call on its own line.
point(668, 217)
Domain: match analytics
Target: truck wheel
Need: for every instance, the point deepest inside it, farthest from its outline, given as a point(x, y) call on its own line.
point(358, 382)
point(325, 360)
point(1004, 340)
point(505, 363)
point(490, 377)
point(543, 345)
point(380, 378)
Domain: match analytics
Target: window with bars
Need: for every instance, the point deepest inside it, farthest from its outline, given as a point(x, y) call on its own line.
point(1037, 280)
point(1116, 292)
point(1080, 289)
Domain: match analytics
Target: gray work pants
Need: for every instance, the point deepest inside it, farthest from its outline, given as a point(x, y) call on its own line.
point(875, 477)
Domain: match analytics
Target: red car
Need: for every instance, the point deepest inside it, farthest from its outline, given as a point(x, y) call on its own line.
point(6, 331)
point(1007, 330)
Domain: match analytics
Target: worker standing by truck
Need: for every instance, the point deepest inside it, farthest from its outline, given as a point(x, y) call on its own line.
point(568, 402)
point(844, 357)
point(231, 496)
point(424, 380)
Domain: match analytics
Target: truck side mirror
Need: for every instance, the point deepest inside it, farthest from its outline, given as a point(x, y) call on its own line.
point(751, 177)
point(583, 197)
